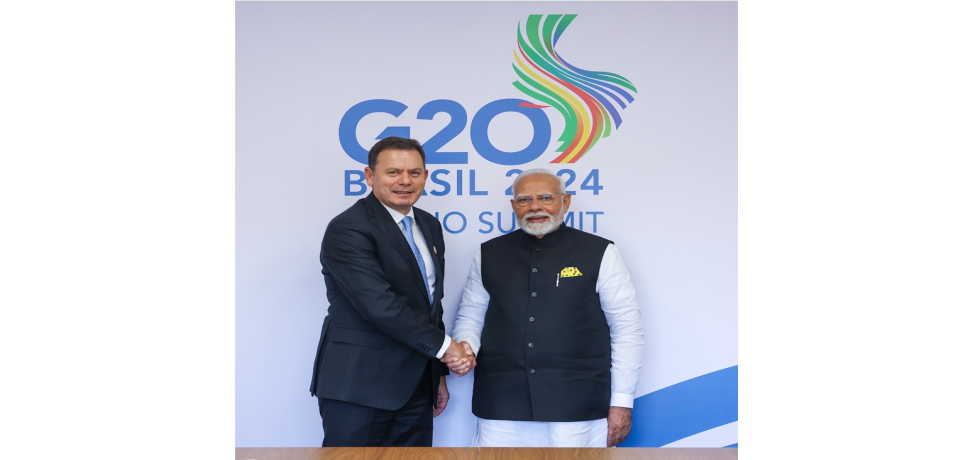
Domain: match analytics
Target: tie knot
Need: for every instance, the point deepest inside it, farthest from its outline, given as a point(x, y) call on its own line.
point(407, 222)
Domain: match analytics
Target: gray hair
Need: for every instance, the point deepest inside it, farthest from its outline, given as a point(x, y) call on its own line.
point(537, 172)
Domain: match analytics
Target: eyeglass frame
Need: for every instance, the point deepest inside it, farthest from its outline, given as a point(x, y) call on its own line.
point(523, 201)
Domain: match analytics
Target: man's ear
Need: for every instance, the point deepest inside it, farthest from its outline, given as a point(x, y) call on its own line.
point(369, 176)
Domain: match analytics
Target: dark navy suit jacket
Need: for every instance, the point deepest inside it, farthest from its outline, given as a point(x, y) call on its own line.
point(380, 332)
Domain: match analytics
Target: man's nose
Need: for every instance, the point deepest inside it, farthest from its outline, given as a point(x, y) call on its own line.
point(405, 179)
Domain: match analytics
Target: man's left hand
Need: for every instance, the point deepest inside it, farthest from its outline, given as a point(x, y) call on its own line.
point(442, 398)
point(620, 421)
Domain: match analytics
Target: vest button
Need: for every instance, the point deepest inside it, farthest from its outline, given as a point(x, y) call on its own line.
point(531, 319)
point(530, 345)
point(531, 371)
point(534, 294)
point(534, 270)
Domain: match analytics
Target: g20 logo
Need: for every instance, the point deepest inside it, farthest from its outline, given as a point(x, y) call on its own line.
point(589, 101)
point(458, 118)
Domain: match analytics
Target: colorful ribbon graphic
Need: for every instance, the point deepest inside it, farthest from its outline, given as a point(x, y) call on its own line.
point(581, 96)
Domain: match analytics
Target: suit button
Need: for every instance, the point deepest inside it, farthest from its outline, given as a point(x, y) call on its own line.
point(534, 270)
point(530, 345)
point(537, 249)
point(531, 319)
point(531, 371)
point(534, 294)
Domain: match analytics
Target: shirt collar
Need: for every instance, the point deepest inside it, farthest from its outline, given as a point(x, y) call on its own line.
point(397, 216)
point(549, 238)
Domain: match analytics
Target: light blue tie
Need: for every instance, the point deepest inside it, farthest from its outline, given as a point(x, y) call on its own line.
point(407, 230)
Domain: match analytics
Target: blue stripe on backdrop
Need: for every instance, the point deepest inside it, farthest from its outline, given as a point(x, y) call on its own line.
point(684, 409)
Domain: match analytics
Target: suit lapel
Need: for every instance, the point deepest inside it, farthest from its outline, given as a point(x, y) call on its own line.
point(430, 241)
point(393, 233)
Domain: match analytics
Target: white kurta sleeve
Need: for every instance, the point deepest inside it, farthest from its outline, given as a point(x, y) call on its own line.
point(622, 311)
point(473, 308)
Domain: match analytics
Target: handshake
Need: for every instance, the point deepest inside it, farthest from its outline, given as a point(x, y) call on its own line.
point(459, 357)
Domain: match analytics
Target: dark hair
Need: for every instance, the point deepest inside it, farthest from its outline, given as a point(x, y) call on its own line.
point(394, 143)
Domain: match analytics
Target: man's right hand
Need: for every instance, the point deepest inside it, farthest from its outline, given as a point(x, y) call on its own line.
point(459, 358)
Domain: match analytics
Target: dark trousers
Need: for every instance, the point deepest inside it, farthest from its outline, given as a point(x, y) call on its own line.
point(353, 425)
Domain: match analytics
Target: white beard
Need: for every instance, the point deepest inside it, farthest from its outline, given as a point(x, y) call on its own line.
point(542, 228)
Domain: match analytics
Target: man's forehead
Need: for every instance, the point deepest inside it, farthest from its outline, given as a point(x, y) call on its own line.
point(399, 157)
point(538, 183)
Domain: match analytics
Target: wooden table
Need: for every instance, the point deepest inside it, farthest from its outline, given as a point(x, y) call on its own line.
point(474, 453)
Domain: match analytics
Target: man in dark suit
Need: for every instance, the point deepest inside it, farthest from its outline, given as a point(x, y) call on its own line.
point(380, 372)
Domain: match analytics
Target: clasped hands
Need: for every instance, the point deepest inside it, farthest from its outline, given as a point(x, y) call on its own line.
point(459, 357)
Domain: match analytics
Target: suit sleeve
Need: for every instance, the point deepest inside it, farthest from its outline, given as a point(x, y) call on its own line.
point(441, 260)
point(350, 255)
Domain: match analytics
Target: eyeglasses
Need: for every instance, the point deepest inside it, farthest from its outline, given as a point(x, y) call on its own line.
point(524, 201)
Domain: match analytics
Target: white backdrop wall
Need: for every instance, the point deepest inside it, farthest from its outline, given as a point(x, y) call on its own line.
point(668, 177)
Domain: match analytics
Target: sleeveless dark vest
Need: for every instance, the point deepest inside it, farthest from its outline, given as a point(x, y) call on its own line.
point(545, 348)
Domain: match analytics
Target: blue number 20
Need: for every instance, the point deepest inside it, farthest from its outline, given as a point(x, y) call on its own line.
point(457, 122)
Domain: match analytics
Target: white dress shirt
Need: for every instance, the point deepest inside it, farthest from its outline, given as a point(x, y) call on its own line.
point(430, 268)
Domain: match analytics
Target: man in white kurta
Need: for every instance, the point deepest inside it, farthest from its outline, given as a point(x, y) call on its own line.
point(540, 203)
